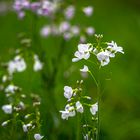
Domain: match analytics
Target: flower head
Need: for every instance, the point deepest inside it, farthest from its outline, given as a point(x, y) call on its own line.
point(79, 107)
point(94, 108)
point(68, 91)
point(38, 136)
point(83, 52)
point(85, 69)
point(37, 64)
point(88, 10)
point(7, 109)
point(113, 48)
point(103, 57)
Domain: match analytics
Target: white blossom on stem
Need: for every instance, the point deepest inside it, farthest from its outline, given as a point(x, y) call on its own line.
point(79, 107)
point(94, 108)
point(68, 91)
point(113, 48)
point(85, 69)
point(38, 136)
point(103, 57)
point(7, 109)
point(83, 52)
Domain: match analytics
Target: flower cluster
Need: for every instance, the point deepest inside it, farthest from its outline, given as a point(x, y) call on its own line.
point(43, 8)
point(74, 97)
point(103, 54)
point(17, 107)
point(65, 29)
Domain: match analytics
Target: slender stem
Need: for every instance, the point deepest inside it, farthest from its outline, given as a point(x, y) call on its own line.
point(98, 113)
point(94, 78)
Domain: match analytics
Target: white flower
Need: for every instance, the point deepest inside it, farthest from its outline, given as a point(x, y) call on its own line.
point(26, 127)
point(38, 136)
point(85, 69)
point(11, 89)
point(16, 65)
point(103, 57)
point(83, 52)
point(88, 10)
point(65, 114)
point(79, 107)
point(68, 112)
point(71, 110)
point(94, 108)
point(37, 64)
point(113, 48)
point(7, 109)
point(68, 92)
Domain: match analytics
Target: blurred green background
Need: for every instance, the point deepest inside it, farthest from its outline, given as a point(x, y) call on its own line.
point(117, 20)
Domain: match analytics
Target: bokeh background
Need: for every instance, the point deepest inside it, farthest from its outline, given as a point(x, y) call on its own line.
point(117, 20)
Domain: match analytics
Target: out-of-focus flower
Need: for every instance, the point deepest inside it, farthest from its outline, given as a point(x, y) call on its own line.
point(38, 136)
point(64, 26)
point(85, 69)
point(68, 91)
point(45, 31)
point(11, 89)
point(37, 64)
point(79, 107)
point(69, 12)
point(88, 10)
point(26, 127)
point(75, 30)
point(94, 108)
point(83, 52)
point(103, 57)
point(16, 65)
point(90, 31)
point(7, 109)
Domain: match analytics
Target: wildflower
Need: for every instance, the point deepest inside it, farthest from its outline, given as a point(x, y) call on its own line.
point(75, 30)
point(94, 108)
point(113, 48)
point(103, 57)
point(88, 10)
point(65, 114)
point(35, 5)
point(69, 12)
point(85, 69)
point(64, 26)
point(46, 8)
point(90, 31)
point(68, 112)
point(83, 52)
point(7, 109)
point(37, 64)
point(11, 89)
point(45, 31)
point(38, 136)
point(26, 127)
point(68, 91)
point(79, 107)
point(16, 65)
point(82, 39)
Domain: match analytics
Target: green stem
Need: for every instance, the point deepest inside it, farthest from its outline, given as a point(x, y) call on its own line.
point(94, 78)
point(78, 128)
